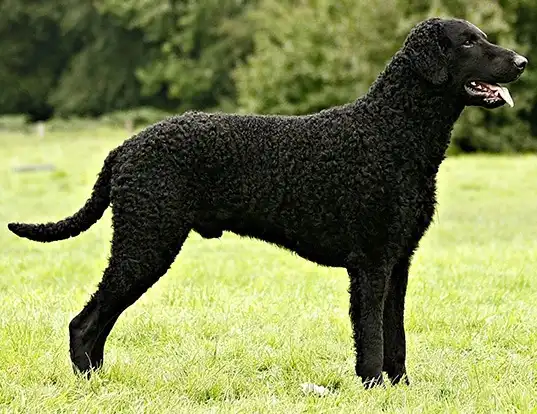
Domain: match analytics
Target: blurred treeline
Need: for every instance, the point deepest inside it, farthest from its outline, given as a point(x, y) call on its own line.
point(75, 58)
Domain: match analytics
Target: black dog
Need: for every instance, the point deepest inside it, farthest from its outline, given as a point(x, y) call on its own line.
point(352, 186)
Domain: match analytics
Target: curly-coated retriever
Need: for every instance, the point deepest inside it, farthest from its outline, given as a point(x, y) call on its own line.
point(352, 186)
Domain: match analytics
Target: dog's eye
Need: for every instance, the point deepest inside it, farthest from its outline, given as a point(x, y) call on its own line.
point(468, 43)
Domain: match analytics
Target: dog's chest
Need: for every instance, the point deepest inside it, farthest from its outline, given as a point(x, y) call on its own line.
point(415, 209)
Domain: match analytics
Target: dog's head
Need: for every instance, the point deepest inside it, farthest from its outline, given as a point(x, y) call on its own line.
point(456, 55)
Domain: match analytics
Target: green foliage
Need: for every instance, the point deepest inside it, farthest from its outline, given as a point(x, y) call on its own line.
point(524, 16)
point(141, 116)
point(198, 44)
point(31, 55)
point(316, 53)
point(100, 76)
point(74, 58)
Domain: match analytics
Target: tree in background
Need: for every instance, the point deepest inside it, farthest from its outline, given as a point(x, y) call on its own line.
point(90, 58)
point(66, 58)
point(32, 54)
point(101, 73)
point(313, 54)
point(523, 22)
point(197, 45)
point(266, 56)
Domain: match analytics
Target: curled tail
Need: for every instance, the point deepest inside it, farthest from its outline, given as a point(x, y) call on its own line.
point(82, 220)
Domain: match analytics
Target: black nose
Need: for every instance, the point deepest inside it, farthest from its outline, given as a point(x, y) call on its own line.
point(520, 62)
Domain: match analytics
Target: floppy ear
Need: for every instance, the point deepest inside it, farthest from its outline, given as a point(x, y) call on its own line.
point(425, 46)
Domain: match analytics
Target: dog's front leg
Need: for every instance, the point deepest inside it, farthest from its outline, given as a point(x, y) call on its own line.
point(394, 328)
point(367, 296)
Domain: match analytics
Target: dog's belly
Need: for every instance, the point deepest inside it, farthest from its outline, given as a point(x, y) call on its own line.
point(325, 251)
point(324, 254)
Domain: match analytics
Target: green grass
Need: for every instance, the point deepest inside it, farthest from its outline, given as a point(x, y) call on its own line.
point(238, 325)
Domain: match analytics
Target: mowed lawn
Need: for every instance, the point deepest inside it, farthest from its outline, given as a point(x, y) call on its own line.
point(236, 326)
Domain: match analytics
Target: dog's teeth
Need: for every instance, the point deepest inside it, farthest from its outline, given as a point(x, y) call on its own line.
point(473, 83)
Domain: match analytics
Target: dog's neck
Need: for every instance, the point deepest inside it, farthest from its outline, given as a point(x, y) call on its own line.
point(411, 104)
point(400, 89)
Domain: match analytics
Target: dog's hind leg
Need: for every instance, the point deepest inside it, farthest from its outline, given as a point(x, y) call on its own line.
point(146, 240)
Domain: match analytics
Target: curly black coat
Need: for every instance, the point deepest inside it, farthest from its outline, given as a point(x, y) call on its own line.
point(352, 186)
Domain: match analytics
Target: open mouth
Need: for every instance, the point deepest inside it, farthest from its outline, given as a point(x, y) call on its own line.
point(490, 93)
